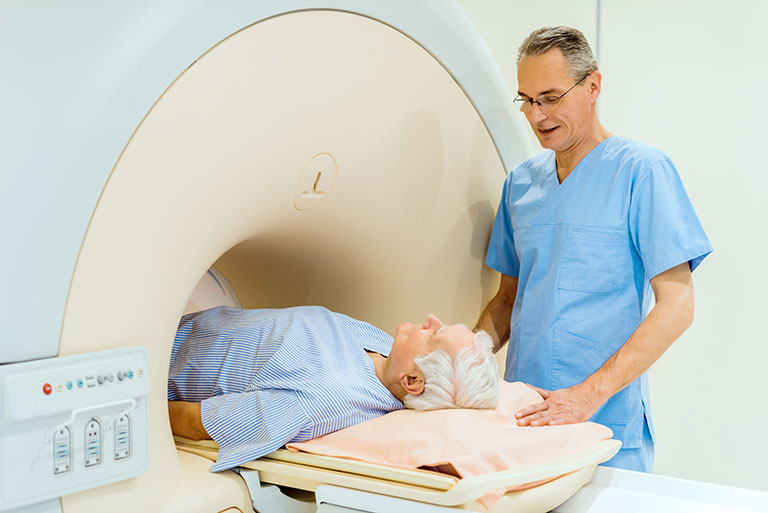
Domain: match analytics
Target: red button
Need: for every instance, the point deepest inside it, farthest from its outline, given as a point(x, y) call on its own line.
point(47, 389)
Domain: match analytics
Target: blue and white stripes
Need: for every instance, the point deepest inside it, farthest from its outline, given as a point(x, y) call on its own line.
point(269, 377)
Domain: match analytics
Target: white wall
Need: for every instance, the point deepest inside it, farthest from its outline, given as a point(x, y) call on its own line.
point(690, 77)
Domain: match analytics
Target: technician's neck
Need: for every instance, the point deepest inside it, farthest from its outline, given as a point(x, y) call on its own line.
point(380, 365)
point(569, 158)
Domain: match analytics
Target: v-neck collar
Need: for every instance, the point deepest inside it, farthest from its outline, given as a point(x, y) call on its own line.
point(557, 190)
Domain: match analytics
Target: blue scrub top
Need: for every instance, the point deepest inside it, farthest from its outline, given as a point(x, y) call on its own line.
point(584, 252)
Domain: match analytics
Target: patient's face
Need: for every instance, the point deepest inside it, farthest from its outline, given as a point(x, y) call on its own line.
point(412, 340)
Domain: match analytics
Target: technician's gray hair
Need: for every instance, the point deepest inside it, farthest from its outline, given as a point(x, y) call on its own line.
point(568, 40)
point(470, 380)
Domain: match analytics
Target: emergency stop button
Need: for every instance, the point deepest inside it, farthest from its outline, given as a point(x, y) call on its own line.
point(47, 389)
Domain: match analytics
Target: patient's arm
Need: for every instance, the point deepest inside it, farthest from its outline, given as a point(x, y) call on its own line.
point(186, 421)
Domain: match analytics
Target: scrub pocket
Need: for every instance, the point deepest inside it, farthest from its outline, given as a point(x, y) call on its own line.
point(574, 358)
point(593, 260)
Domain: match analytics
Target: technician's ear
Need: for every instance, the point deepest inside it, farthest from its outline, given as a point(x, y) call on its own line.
point(594, 85)
point(412, 382)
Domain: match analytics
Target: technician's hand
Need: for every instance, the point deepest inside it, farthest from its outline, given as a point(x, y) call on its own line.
point(565, 406)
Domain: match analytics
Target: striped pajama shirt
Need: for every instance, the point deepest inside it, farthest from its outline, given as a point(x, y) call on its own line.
point(268, 377)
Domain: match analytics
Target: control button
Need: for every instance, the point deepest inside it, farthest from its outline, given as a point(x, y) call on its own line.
point(80, 383)
point(120, 375)
point(130, 374)
point(110, 377)
point(100, 379)
point(140, 372)
point(47, 389)
point(69, 385)
point(59, 388)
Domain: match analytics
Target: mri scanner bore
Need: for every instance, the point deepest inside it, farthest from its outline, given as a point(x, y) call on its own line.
point(411, 155)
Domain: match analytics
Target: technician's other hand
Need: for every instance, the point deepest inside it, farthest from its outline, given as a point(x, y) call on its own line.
point(565, 406)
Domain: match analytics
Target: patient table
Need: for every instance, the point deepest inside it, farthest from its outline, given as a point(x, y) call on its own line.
point(346, 485)
point(570, 485)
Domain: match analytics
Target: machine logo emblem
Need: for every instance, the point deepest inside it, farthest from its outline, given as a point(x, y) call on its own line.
point(316, 182)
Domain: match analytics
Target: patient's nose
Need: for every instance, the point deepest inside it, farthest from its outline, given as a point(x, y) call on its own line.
point(432, 322)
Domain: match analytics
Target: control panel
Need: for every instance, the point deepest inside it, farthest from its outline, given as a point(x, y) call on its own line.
point(72, 423)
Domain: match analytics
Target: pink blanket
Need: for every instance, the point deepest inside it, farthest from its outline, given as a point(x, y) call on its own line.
point(472, 442)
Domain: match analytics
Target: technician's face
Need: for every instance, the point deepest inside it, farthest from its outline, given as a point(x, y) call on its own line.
point(412, 340)
point(563, 125)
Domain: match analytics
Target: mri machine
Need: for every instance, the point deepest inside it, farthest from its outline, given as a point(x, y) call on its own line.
point(343, 153)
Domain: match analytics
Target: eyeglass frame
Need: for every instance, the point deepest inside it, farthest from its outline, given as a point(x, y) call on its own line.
point(551, 100)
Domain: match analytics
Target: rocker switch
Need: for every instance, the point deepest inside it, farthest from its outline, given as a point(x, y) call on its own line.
point(92, 443)
point(122, 436)
point(62, 451)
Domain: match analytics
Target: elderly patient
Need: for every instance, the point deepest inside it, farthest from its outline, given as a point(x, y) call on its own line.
point(254, 380)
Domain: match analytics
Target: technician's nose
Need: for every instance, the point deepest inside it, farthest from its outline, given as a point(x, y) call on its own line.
point(536, 115)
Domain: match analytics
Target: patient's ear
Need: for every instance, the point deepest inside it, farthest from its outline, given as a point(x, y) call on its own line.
point(412, 382)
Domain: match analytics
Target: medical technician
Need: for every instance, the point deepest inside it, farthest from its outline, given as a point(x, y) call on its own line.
point(583, 234)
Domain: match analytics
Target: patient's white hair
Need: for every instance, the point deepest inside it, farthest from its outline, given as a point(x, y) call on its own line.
point(470, 380)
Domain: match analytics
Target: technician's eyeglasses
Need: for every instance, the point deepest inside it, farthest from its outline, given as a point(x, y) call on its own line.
point(545, 102)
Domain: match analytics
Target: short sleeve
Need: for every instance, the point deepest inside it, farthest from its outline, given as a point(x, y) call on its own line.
point(502, 254)
point(664, 226)
point(248, 425)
